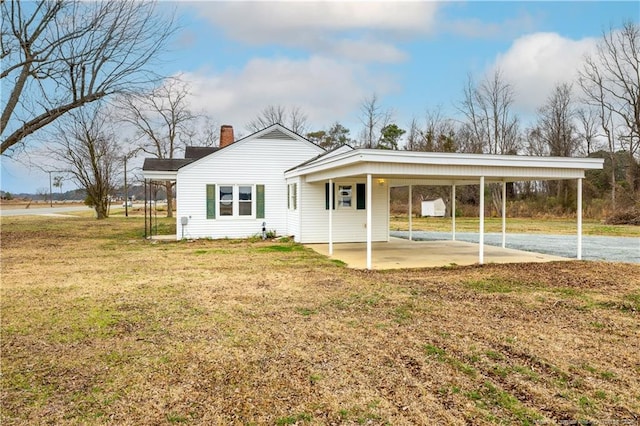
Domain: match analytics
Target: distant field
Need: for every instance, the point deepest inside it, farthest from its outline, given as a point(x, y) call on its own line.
point(99, 326)
point(22, 204)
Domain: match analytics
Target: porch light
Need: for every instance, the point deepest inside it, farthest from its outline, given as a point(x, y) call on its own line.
point(380, 182)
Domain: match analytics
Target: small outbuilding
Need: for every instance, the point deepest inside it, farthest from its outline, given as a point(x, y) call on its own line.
point(433, 208)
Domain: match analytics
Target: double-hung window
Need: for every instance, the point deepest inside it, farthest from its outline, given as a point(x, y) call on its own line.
point(226, 200)
point(245, 200)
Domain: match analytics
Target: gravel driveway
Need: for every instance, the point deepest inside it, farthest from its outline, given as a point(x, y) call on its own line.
point(614, 249)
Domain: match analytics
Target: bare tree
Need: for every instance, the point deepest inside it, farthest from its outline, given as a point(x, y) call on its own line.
point(373, 118)
point(438, 134)
point(587, 128)
point(490, 121)
point(490, 127)
point(85, 144)
point(58, 55)
point(556, 132)
point(610, 81)
point(294, 119)
point(163, 123)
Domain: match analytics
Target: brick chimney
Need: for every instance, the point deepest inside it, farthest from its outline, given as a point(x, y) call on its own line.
point(226, 135)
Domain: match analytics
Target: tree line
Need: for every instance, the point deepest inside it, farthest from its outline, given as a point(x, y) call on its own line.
point(80, 72)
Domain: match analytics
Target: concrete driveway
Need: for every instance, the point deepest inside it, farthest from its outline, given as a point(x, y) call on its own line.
point(402, 253)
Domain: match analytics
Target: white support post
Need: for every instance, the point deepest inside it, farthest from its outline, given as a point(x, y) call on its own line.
point(330, 217)
point(504, 214)
point(410, 212)
point(453, 212)
point(369, 209)
point(481, 236)
point(579, 214)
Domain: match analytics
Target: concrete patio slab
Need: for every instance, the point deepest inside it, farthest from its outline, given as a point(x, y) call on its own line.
point(400, 253)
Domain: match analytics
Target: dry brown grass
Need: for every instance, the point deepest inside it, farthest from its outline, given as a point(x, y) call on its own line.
point(99, 326)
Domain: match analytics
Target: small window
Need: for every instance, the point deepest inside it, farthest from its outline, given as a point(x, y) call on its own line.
point(345, 196)
point(226, 200)
point(293, 196)
point(244, 200)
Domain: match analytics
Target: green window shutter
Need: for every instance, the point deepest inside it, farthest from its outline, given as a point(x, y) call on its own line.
point(289, 196)
point(361, 196)
point(259, 201)
point(326, 196)
point(211, 201)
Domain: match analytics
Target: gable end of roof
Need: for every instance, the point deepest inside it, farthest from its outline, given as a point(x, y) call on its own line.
point(276, 134)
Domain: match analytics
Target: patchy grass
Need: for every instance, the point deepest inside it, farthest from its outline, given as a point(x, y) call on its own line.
point(99, 326)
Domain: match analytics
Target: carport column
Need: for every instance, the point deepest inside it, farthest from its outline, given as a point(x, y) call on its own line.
point(369, 209)
point(579, 214)
point(481, 236)
point(504, 214)
point(330, 217)
point(453, 212)
point(410, 212)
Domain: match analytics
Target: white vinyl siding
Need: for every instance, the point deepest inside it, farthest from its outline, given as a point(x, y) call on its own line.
point(349, 224)
point(250, 162)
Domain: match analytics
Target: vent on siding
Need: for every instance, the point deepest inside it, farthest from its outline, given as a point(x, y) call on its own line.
point(276, 134)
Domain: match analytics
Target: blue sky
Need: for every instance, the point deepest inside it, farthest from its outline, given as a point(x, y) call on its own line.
point(326, 57)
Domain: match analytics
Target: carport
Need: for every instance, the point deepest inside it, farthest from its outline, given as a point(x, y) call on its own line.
point(410, 168)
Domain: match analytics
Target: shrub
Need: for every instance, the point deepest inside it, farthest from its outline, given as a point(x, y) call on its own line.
point(624, 217)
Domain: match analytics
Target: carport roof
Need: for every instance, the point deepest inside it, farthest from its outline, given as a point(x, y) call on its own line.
point(411, 167)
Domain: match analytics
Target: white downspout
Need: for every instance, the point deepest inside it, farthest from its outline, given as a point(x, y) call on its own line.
point(369, 209)
point(481, 236)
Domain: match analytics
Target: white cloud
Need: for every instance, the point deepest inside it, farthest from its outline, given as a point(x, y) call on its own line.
point(323, 88)
point(535, 63)
point(352, 30)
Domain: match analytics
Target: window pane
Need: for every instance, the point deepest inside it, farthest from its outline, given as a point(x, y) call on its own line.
point(245, 193)
point(245, 208)
point(226, 200)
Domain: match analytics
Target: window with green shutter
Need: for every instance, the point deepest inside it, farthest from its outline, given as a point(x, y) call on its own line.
point(211, 201)
point(259, 201)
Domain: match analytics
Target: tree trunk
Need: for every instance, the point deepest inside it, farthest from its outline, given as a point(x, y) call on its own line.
point(613, 180)
point(102, 208)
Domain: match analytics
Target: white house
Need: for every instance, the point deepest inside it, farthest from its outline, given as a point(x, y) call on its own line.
point(433, 208)
point(280, 180)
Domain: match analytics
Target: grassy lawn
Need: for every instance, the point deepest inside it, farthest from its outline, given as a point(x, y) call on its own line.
point(514, 225)
point(99, 326)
